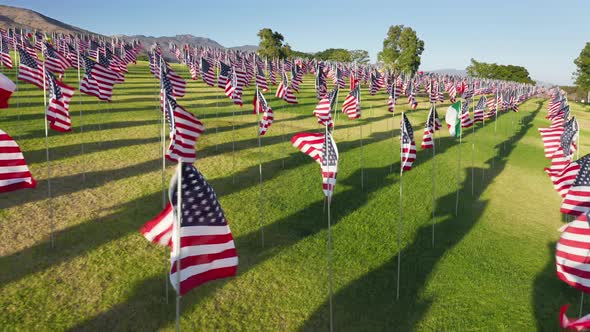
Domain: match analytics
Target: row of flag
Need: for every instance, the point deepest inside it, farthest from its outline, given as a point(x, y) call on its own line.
point(571, 180)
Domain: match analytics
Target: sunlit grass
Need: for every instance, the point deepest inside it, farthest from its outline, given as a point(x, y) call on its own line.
point(491, 267)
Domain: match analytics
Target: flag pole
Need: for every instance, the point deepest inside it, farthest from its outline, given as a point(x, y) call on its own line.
point(260, 167)
point(399, 230)
point(361, 133)
point(473, 151)
point(163, 140)
point(330, 277)
point(81, 123)
point(51, 226)
point(433, 168)
point(459, 167)
point(177, 240)
point(495, 126)
point(216, 115)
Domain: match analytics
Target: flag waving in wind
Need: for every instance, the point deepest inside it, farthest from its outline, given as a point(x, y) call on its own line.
point(322, 148)
point(408, 146)
point(206, 249)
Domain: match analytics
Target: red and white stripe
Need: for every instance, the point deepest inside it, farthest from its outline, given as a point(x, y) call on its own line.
point(579, 324)
point(58, 114)
point(551, 139)
point(572, 254)
point(206, 253)
point(14, 172)
point(184, 136)
point(322, 111)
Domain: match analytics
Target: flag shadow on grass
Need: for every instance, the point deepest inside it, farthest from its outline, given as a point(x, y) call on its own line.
point(369, 303)
point(70, 243)
point(550, 293)
point(145, 310)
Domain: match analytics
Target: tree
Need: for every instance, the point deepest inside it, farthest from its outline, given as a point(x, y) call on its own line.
point(271, 44)
point(334, 54)
point(359, 56)
point(402, 49)
point(582, 73)
point(499, 72)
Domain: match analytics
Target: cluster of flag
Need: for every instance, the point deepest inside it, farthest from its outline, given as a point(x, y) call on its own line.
point(571, 180)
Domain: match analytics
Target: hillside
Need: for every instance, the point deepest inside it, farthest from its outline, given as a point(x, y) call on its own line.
point(26, 18)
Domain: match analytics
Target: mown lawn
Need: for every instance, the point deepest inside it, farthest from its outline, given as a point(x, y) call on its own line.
point(491, 267)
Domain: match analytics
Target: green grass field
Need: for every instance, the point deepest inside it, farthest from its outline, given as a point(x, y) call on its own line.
point(491, 268)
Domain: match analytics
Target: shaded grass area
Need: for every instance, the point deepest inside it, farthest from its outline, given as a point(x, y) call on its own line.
point(490, 268)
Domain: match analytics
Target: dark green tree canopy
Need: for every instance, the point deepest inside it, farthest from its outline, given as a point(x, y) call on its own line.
point(271, 44)
point(499, 72)
point(402, 49)
point(582, 73)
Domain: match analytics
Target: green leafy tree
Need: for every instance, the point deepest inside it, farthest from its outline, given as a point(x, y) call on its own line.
point(271, 44)
point(334, 54)
point(499, 72)
point(359, 56)
point(402, 49)
point(582, 73)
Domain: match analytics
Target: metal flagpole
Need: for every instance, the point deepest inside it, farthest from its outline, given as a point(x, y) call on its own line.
point(163, 140)
point(495, 127)
point(581, 303)
point(433, 168)
point(329, 198)
point(459, 167)
point(81, 123)
point(361, 133)
point(260, 167)
point(483, 124)
point(177, 240)
point(473, 151)
point(51, 226)
point(283, 135)
point(216, 115)
point(399, 230)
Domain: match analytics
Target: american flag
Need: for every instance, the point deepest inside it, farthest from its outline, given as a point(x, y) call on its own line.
point(579, 324)
point(324, 108)
point(185, 131)
point(567, 144)
point(411, 96)
point(55, 61)
point(225, 72)
point(57, 113)
point(352, 104)
point(178, 83)
point(194, 70)
point(491, 104)
point(339, 79)
point(572, 254)
point(207, 249)
point(577, 199)
point(30, 70)
point(98, 81)
point(432, 124)
point(466, 120)
point(207, 72)
point(296, 77)
point(452, 91)
point(272, 72)
point(260, 105)
point(261, 79)
point(5, 59)
point(323, 149)
point(284, 90)
point(392, 98)
point(408, 146)
point(551, 138)
point(14, 172)
point(478, 113)
point(320, 81)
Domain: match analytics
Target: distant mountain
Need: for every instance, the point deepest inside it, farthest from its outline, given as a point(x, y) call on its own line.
point(246, 48)
point(449, 71)
point(26, 18)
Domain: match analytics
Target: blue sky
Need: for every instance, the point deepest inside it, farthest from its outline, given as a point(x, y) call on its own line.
point(544, 36)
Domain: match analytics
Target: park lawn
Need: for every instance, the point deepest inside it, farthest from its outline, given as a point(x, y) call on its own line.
point(491, 267)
